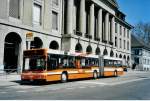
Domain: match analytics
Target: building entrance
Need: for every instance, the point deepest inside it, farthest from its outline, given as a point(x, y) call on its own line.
point(11, 52)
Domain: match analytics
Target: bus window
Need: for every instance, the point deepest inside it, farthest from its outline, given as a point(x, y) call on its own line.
point(96, 62)
point(108, 63)
point(83, 63)
point(86, 62)
point(26, 64)
point(52, 62)
point(118, 63)
point(65, 62)
point(71, 61)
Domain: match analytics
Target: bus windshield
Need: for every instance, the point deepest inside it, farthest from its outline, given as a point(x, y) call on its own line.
point(34, 63)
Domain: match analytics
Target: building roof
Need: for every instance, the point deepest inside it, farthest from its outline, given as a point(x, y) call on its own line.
point(137, 43)
point(114, 2)
point(111, 3)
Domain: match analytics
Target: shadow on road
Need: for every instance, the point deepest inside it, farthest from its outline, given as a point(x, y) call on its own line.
point(42, 83)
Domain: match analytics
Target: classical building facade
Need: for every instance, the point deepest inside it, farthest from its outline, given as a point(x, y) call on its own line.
point(89, 26)
point(96, 26)
point(140, 54)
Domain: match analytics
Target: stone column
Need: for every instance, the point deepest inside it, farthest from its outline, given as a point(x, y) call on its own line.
point(106, 26)
point(112, 39)
point(100, 24)
point(92, 25)
point(82, 16)
point(70, 17)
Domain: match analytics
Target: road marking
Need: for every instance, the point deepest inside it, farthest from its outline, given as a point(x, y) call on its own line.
point(3, 92)
point(70, 88)
point(98, 83)
point(21, 91)
point(39, 90)
point(82, 87)
point(92, 86)
point(112, 83)
point(128, 81)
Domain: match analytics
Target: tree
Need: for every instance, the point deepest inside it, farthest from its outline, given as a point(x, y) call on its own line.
point(142, 31)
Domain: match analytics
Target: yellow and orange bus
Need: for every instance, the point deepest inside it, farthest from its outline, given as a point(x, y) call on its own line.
point(54, 65)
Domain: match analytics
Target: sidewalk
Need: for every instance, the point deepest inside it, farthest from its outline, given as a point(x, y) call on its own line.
point(136, 71)
point(9, 80)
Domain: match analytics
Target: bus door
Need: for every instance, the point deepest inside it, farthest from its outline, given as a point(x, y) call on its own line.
point(78, 65)
point(52, 62)
point(101, 66)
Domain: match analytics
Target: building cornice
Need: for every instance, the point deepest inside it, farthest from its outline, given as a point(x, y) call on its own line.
point(28, 28)
point(124, 22)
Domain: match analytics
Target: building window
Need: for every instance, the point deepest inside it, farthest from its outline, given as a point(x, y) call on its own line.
point(116, 42)
point(120, 30)
point(55, 2)
point(128, 45)
point(136, 60)
point(116, 28)
point(144, 61)
point(37, 14)
point(124, 44)
point(120, 43)
point(124, 32)
point(54, 20)
point(14, 8)
point(132, 52)
point(138, 52)
point(128, 33)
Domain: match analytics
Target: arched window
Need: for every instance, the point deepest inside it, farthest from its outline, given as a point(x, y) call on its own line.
point(128, 58)
point(124, 57)
point(78, 48)
point(105, 52)
point(89, 49)
point(37, 43)
point(97, 52)
point(120, 56)
point(54, 45)
point(116, 55)
point(111, 53)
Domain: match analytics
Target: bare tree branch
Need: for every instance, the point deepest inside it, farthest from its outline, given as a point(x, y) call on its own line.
point(142, 31)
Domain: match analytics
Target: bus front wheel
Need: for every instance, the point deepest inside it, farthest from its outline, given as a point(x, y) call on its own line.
point(64, 77)
point(95, 76)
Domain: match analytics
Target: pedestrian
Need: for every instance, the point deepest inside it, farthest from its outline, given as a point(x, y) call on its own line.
point(134, 66)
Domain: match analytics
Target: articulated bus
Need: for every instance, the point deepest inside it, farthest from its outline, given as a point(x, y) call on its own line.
point(54, 65)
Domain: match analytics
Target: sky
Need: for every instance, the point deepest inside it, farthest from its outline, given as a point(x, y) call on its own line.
point(135, 10)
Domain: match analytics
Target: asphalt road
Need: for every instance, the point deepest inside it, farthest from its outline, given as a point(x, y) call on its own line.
point(131, 86)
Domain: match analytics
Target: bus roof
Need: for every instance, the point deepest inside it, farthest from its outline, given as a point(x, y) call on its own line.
point(112, 58)
point(59, 52)
point(51, 51)
point(92, 56)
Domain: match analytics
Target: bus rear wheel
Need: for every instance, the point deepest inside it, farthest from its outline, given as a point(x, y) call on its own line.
point(64, 77)
point(95, 75)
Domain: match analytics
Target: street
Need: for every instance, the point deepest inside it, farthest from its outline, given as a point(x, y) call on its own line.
point(131, 86)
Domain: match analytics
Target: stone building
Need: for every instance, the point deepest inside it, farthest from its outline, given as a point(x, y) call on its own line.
point(92, 26)
point(140, 54)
